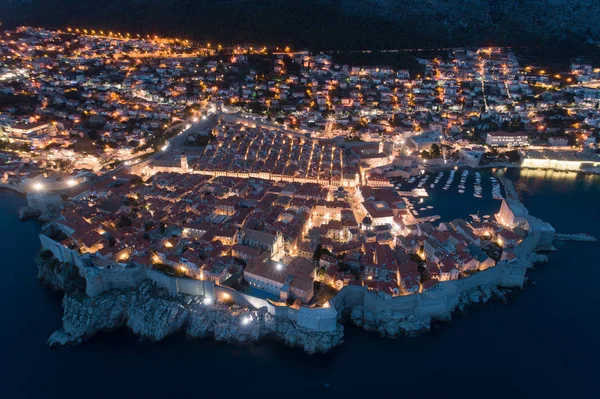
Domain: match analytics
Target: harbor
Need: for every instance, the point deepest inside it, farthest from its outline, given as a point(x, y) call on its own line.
point(478, 191)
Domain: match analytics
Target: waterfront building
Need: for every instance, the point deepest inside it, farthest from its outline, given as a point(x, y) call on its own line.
point(507, 139)
point(512, 213)
point(471, 156)
point(567, 161)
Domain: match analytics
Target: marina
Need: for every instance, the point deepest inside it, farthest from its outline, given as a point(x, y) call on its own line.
point(482, 186)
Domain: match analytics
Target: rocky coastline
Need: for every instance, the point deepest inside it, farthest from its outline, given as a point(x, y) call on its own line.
point(150, 312)
point(44, 214)
point(28, 212)
point(394, 323)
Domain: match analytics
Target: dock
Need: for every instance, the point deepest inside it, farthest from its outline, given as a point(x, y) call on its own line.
point(415, 192)
point(509, 188)
point(412, 220)
point(575, 237)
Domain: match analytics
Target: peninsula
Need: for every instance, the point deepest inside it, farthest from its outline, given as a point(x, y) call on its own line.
point(251, 192)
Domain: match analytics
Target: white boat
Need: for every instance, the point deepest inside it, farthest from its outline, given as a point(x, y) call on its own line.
point(475, 217)
point(419, 192)
point(461, 191)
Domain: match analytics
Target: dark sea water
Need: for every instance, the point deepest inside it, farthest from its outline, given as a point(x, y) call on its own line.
point(544, 343)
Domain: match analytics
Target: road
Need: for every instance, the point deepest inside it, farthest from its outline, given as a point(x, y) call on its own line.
point(175, 143)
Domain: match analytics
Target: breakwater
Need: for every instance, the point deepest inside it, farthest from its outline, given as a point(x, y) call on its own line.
point(509, 188)
point(575, 237)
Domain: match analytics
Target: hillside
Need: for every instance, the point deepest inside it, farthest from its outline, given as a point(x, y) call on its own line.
point(562, 25)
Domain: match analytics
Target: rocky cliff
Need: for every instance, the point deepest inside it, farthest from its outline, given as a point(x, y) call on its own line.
point(413, 321)
point(150, 312)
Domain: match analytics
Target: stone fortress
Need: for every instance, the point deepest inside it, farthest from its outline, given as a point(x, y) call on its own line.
point(409, 314)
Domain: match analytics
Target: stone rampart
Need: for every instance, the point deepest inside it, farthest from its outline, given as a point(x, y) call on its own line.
point(101, 280)
point(436, 303)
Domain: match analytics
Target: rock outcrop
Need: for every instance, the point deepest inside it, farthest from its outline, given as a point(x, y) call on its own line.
point(481, 294)
point(390, 322)
point(150, 312)
point(28, 212)
point(412, 321)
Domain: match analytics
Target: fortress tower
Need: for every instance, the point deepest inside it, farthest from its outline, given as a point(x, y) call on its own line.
point(184, 162)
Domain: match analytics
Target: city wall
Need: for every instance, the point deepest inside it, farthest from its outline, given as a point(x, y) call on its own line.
point(318, 319)
point(100, 280)
point(436, 303)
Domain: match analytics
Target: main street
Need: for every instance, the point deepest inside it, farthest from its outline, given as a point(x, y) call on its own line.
point(175, 143)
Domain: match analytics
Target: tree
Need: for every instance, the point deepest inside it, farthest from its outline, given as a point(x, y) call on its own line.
point(317, 253)
point(435, 151)
point(321, 272)
point(417, 259)
point(321, 251)
point(65, 165)
point(513, 156)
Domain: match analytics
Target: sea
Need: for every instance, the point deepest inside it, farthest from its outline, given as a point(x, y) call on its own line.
point(545, 342)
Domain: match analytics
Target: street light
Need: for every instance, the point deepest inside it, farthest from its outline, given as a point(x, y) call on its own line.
point(208, 300)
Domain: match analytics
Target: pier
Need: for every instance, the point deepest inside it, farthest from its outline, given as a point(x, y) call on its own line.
point(575, 237)
point(509, 188)
point(415, 192)
point(428, 219)
point(412, 220)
